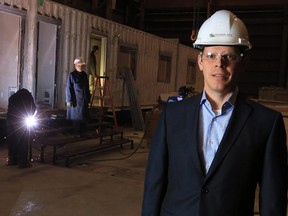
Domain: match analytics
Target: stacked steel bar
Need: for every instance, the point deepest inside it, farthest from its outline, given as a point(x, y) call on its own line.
point(136, 113)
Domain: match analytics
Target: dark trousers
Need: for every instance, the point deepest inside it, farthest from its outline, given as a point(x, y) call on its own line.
point(18, 145)
point(80, 127)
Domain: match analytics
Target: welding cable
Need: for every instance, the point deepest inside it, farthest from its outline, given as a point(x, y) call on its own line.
point(137, 147)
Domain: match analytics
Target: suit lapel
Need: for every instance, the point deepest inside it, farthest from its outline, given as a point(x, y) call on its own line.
point(237, 122)
point(192, 131)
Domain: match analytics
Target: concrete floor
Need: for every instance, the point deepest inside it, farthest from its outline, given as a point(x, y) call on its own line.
point(108, 184)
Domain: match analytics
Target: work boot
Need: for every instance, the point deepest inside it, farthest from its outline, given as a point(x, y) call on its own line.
point(11, 162)
point(24, 165)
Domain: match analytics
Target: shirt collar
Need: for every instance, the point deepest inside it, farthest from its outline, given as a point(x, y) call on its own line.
point(231, 100)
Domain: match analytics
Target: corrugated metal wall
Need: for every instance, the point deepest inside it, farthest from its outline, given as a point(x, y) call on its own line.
point(76, 30)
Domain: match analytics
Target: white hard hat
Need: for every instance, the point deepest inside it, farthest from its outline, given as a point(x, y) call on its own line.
point(79, 61)
point(223, 28)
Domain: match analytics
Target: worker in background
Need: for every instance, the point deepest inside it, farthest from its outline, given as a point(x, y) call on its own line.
point(93, 65)
point(78, 97)
point(210, 151)
point(183, 93)
point(21, 105)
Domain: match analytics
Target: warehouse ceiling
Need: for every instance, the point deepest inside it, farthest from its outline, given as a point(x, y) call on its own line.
point(219, 3)
point(174, 19)
point(177, 19)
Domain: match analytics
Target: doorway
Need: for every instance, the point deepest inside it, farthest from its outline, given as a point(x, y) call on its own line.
point(97, 58)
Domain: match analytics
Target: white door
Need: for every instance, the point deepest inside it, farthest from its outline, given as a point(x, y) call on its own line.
point(10, 43)
point(46, 64)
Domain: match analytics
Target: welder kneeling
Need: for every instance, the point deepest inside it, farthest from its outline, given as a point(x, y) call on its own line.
point(21, 107)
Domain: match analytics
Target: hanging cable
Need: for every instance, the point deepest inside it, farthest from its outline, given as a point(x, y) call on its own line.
point(196, 17)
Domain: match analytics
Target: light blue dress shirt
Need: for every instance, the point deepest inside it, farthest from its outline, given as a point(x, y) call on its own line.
point(212, 126)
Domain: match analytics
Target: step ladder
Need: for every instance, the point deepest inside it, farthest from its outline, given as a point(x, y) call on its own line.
point(101, 98)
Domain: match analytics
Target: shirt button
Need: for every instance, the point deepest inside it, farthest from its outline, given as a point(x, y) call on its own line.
point(204, 190)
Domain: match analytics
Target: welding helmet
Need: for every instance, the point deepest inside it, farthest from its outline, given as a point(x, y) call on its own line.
point(223, 28)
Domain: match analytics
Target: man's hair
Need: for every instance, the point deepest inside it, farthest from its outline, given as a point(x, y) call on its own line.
point(95, 47)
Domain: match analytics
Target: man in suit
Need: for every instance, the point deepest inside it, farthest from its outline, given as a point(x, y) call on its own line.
point(210, 151)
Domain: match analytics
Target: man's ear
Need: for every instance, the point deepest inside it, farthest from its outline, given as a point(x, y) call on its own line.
point(199, 61)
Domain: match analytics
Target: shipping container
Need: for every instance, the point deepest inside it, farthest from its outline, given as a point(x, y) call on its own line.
point(39, 41)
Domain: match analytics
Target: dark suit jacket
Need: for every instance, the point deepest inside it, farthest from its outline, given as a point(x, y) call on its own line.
point(253, 150)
